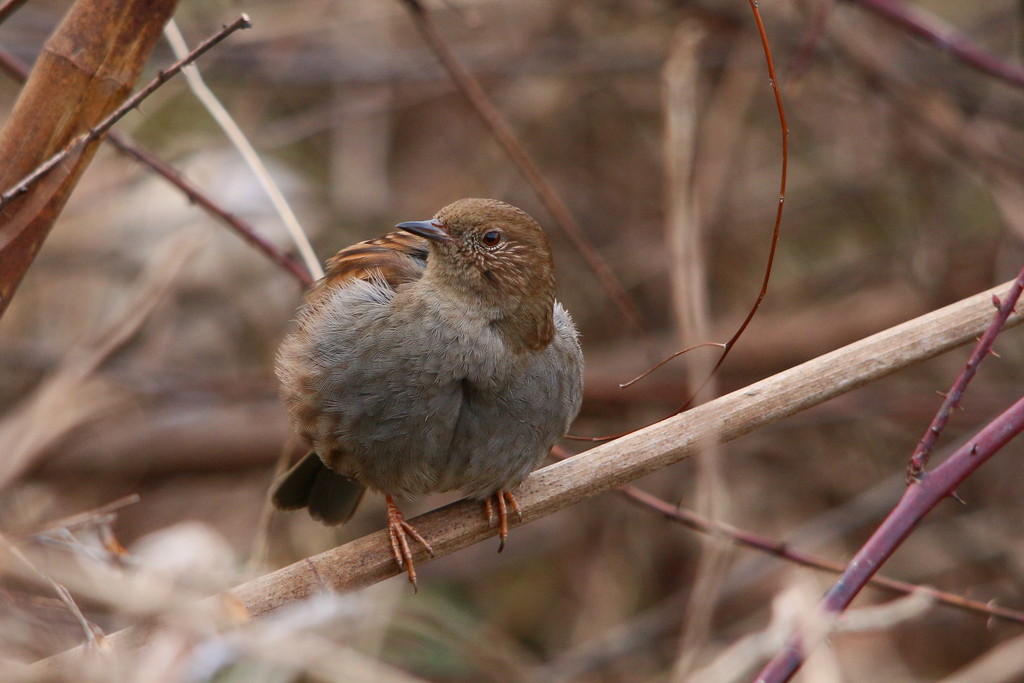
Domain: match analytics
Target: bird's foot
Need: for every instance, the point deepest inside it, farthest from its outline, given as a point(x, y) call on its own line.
point(504, 500)
point(400, 531)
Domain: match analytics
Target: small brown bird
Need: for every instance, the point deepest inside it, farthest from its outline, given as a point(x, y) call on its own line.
point(431, 359)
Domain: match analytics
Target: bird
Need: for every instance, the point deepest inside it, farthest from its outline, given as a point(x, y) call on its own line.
point(435, 358)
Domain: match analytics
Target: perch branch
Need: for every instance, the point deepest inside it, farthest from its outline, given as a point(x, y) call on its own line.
point(368, 560)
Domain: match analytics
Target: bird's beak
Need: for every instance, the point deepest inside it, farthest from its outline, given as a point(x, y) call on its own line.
point(431, 230)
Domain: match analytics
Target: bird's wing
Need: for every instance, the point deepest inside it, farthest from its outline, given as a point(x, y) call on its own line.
point(395, 258)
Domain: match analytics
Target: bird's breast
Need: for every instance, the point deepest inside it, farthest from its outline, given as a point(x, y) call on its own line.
point(409, 394)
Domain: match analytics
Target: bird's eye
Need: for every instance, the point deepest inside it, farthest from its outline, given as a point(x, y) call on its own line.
point(491, 238)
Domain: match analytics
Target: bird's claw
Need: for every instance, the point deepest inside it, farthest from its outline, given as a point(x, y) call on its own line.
point(505, 500)
point(399, 532)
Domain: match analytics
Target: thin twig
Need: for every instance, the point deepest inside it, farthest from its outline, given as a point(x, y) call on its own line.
point(505, 136)
point(245, 230)
point(131, 103)
point(227, 123)
point(662, 362)
point(926, 25)
point(770, 546)
point(728, 346)
point(782, 550)
point(774, 83)
point(951, 400)
point(88, 628)
point(18, 71)
point(916, 502)
point(83, 518)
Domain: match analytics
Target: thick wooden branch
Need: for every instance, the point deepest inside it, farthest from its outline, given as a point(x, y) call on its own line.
point(368, 560)
point(86, 69)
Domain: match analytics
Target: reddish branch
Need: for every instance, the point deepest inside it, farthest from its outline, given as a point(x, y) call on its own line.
point(776, 228)
point(772, 547)
point(773, 81)
point(779, 549)
point(917, 501)
point(919, 460)
point(947, 38)
point(246, 231)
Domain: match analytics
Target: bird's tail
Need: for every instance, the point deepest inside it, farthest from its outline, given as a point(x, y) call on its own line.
point(330, 497)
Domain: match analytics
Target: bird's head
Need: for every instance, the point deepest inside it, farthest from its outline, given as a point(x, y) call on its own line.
point(492, 252)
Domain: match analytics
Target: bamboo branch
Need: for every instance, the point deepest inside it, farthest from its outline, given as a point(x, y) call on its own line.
point(19, 72)
point(86, 68)
point(368, 560)
point(97, 131)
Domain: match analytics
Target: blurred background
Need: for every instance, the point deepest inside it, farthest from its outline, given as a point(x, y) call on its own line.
point(655, 122)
